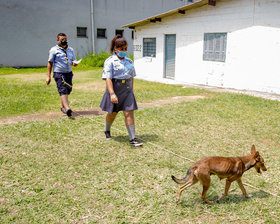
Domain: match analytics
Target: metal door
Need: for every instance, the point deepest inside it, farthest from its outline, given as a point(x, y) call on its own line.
point(170, 51)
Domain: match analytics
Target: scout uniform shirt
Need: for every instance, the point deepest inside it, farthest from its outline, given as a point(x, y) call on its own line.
point(114, 68)
point(62, 59)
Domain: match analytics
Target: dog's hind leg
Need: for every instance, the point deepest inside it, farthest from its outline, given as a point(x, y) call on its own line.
point(205, 180)
point(192, 180)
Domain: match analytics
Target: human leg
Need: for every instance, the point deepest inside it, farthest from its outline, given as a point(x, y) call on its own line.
point(130, 126)
point(108, 124)
point(65, 105)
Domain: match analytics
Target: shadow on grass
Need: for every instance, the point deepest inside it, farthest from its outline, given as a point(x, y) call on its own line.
point(230, 199)
point(144, 138)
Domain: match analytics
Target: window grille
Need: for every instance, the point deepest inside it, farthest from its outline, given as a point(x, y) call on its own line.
point(101, 33)
point(149, 47)
point(81, 31)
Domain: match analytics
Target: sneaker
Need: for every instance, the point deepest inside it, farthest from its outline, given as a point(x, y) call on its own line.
point(63, 110)
point(69, 113)
point(107, 135)
point(135, 142)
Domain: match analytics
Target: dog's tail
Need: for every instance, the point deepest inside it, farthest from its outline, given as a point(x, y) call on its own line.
point(184, 180)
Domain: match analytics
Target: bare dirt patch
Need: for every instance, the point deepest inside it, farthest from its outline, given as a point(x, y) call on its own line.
point(94, 86)
point(170, 100)
point(96, 111)
point(27, 77)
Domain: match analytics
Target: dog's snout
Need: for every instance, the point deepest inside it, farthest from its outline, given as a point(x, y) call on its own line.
point(264, 168)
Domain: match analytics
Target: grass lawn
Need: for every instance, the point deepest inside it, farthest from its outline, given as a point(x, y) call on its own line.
point(64, 171)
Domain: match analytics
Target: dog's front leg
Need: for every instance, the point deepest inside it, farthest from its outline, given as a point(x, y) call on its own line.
point(228, 183)
point(243, 188)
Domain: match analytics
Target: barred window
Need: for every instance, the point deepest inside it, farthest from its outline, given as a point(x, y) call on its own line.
point(101, 33)
point(120, 32)
point(149, 47)
point(81, 31)
point(215, 47)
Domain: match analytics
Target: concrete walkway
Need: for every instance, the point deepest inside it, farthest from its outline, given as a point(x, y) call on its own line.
point(269, 96)
point(265, 95)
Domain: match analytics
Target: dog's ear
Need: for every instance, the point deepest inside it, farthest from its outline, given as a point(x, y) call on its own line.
point(257, 156)
point(253, 150)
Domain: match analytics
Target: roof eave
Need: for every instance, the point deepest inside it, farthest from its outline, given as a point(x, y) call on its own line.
point(168, 13)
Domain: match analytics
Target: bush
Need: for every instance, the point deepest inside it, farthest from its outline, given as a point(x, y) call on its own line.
point(96, 60)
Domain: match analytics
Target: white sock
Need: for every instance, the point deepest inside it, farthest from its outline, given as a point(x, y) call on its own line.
point(131, 131)
point(108, 125)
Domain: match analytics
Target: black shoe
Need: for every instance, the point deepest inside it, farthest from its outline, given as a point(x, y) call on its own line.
point(107, 135)
point(135, 142)
point(69, 113)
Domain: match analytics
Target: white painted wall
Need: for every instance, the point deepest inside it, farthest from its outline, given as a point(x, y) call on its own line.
point(113, 14)
point(253, 45)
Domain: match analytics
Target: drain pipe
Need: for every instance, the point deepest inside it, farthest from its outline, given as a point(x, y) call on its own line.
point(92, 27)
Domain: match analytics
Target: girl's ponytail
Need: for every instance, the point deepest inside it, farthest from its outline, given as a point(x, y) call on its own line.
point(118, 41)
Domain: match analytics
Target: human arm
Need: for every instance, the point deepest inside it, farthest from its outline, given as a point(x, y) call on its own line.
point(49, 71)
point(113, 96)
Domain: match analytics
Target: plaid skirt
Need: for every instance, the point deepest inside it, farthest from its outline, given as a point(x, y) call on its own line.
point(126, 99)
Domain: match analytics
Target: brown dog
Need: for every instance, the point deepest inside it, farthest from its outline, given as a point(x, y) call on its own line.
point(231, 168)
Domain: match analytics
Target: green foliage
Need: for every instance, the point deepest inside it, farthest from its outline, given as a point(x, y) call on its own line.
point(94, 60)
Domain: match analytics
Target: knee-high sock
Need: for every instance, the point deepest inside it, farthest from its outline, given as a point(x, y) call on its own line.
point(108, 125)
point(131, 131)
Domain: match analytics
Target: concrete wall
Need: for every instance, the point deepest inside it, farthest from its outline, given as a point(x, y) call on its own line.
point(253, 45)
point(29, 29)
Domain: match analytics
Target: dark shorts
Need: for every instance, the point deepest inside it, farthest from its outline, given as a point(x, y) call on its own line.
point(62, 89)
point(125, 96)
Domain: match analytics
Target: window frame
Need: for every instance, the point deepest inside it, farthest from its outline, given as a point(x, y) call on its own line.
point(119, 31)
point(105, 33)
point(81, 28)
point(214, 47)
point(152, 50)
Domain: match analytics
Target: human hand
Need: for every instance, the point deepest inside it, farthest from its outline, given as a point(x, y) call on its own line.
point(114, 98)
point(74, 64)
point(48, 80)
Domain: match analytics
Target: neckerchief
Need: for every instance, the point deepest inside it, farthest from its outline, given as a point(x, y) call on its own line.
point(64, 50)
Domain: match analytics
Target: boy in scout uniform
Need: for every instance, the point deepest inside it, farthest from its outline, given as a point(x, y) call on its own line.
point(61, 59)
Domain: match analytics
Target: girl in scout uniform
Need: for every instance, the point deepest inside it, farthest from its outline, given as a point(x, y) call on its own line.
point(118, 73)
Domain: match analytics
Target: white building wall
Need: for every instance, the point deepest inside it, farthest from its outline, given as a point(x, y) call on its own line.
point(253, 45)
point(113, 14)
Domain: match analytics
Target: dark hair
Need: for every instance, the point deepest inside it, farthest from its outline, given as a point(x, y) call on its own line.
point(118, 41)
point(61, 35)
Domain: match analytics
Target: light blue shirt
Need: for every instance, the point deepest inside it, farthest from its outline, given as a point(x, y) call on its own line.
point(114, 68)
point(62, 59)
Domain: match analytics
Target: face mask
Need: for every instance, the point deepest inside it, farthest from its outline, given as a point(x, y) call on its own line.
point(64, 42)
point(122, 54)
